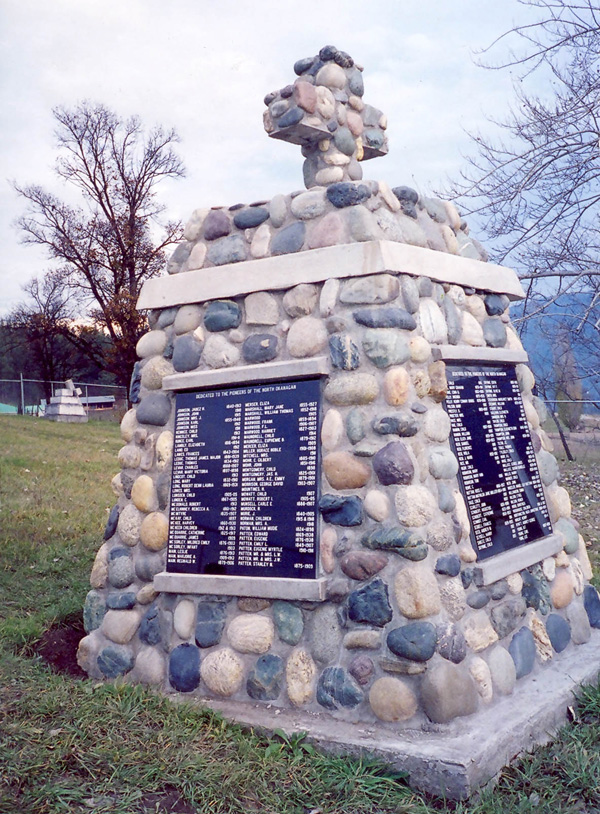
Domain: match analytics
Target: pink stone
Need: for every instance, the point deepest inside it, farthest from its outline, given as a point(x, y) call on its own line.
point(328, 231)
point(355, 123)
point(305, 95)
point(362, 564)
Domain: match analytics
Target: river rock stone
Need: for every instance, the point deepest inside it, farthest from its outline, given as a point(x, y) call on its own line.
point(361, 565)
point(506, 617)
point(341, 510)
point(216, 224)
point(579, 623)
point(306, 337)
point(448, 691)
point(265, 680)
point(451, 644)
point(392, 699)
point(438, 389)
point(210, 622)
point(301, 300)
point(496, 304)
point(149, 631)
point(251, 633)
point(385, 347)
point(359, 639)
point(472, 332)
point(119, 600)
point(481, 675)
point(417, 593)
point(336, 688)
point(440, 535)
point(151, 344)
point(259, 348)
point(184, 664)
point(478, 631)
point(478, 599)
point(154, 531)
point(346, 193)
point(591, 603)
point(448, 565)
point(503, 671)
point(361, 668)
point(143, 494)
point(188, 319)
point(154, 372)
point(558, 631)
point(230, 249)
point(370, 604)
point(393, 464)
point(443, 464)
point(289, 622)
point(522, 650)
point(261, 309)
point(352, 388)
point(288, 240)
point(385, 317)
point(218, 352)
point(396, 386)
point(93, 611)
point(222, 671)
point(150, 667)
point(432, 322)
point(344, 352)
point(374, 289)
point(548, 466)
point(570, 534)
point(415, 641)
point(222, 315)
point(115, 660)
point(155, 409)
point(397, 539)
point(120, 568)
point(300, 675)
point(99, 573)
point(494, 333)
point(184, 617)
point(146, 568)
point(251, 217)
point(561, 592)
point(436, 425)
point(120, 626)
point(377, 505)
point(415, 505)
point(324, 634)
point(332, 430)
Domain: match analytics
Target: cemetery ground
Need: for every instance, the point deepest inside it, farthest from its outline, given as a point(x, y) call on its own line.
point(70, 744)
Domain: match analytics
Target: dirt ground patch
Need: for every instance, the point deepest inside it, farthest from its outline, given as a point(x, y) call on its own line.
point(58, 647)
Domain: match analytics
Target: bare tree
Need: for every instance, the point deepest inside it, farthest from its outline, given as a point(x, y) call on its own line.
point(108, 246)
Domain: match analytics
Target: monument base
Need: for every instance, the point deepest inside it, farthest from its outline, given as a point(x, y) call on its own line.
point(452, 760)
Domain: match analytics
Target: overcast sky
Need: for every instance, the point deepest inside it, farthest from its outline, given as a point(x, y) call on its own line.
point(204, 66)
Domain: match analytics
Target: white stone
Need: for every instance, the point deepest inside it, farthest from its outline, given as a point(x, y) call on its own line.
point(329, 296)
point(164, 449)
point(549, 568)
point(154, 531)
point(197, 257)
point(512, 339)
point(154, 372)
point(251, 633)
point(329, 175)
point(392, 699)
point(326, 547)
point(261, 308)
point(450, 239)
point(129, 456)
point(472, 332)
point(309, 204)
point(453, 598)
point(332, 429)
point(478, 631)
point(482, 677)
point(129, 425)
point(143, 494)
point(457, 295)
point(388, 196)
point(151, 344)
point(218, 352)
point(475, 306)
point(260, 242)
point(531, 413)
point(417, 593)
point(222, 671)
point(436, 425)
point(420, 349)
point(415, 505)
point(307, 337)
point(130, 521)
point(376, 288)
point(301, 300)
point(462, 514)
point(99, 573)
point(300, 674)
point(331, 75)
point(278, 209)
point(193, 227)
point(502, 670)
point(325, 102)
point(184, 618)
point(377, 505)
point(120, 626)
point(188, 318)
point(432, 323)
point(150, 666)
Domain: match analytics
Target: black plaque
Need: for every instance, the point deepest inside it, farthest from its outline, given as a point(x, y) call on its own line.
point(498, 471)
point(244, 489)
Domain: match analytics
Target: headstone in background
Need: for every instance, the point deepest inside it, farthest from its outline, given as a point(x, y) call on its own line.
point(65, 405)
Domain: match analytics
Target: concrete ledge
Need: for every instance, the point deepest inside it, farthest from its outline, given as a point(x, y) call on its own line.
point(317, 265)
point(447, 760)
point(501, 565)
point(465, 353)
point(248, 374)
point(312, 590)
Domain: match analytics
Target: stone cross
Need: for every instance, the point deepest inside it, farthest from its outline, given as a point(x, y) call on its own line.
point(323, 110)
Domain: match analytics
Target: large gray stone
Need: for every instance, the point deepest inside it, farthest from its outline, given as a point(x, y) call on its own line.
point(448, 691)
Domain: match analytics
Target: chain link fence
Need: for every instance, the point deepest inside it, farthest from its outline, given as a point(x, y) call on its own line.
point(105, 402)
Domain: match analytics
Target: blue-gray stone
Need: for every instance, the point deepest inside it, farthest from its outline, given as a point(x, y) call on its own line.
point(210, 622)
point(328, 53)
point(425, 287)
point(466, 577)
point(167, 317)
point(178, 258)
point(120, 600)
point(221, 315)
point(249, 218)
point(448, 565)
point(346, 143)
point(393, 464)
point(302, 65)
point(279, 108)
point(148, 566)
point(370, 604)
point(451, 644)
point(385, 317)
point(230, 249)
point(565, 526)
point(531, 590)
point(332, 126)
point(93, 611)
point(543, 588)
point(286, 92)
point(264, 681)
point(341, 510)
point(120, 568)
point(343, 59)
point(336, 688)
point(135, 384)
point(356, 425)
point(260, 348)
point(494, 333)
point(292, 117)
point(373, 137)
point(418, 407)
point(237, 206)
point(187, 351)
point(522, 651)
point(345, 193)
point(406, 194)
point(163, 487)
point(111, 523)
point(289, 622)
point(446, 500)
point(288, 240)
point(415, 641)
point(498, 590)
point(184, 668)
point(168, 351)
point(453, 321)
point(216, 224)
point(155, 409)
point(344, 352)
point(591, 603)
point(496, 304)
point(408, 544)
point(356, 84)
point(478, 599)
point(385, 347)
point(149, 630)
point(115, 660)
point(558, 631)
point(403, 424)
point(408, 209)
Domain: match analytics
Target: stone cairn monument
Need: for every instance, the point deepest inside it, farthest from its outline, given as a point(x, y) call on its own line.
point(65, 405)
point(337, 509)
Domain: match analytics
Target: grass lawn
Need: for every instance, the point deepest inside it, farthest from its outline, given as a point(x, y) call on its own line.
point(70, 745)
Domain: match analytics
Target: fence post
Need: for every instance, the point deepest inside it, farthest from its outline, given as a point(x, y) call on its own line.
point(22, 395)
